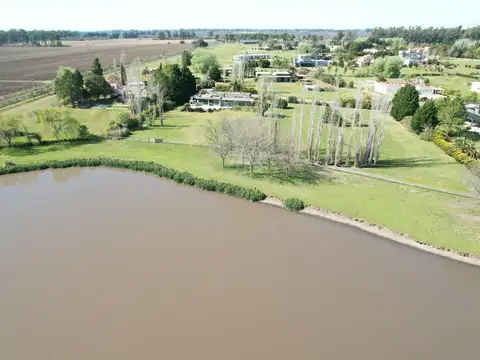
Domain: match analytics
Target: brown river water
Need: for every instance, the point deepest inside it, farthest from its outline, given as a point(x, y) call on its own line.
point(99, 264)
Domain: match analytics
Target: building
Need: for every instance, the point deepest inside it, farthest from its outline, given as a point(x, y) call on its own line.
point(278, 76)
point(475, 87)
point(211, 99)
point(248, 41)
point(246, 57)
point(260, 48)
point(424, 90)
point(371, 51)
point(473, 114)
point(365, 60)
point(306, 60)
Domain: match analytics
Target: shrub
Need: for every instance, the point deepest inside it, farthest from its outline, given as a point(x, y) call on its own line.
point(450, 148)
point(477, 66)
point(350, 84)
point(282, 104)
point(83, 132)
point(293, 204)
point(347, 102)
point(292, 100)
point(223, 87)
point(427, 133)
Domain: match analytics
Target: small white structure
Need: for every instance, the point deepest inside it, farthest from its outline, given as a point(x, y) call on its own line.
point(220, 100)
point(371, 51)
point(475, 87)
point(246, 57)
point(365, 60)
point(424, 90)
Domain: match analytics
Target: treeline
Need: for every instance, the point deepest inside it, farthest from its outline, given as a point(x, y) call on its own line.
point(16, 36)
point(429, 35)
point(260, 36)
point(180, 34)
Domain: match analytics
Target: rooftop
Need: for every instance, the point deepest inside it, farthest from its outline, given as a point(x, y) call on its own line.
point(216, 95)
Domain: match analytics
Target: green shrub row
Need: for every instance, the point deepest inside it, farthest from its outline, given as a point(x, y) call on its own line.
point(450, 148)
point(294, 204)
point(143, 166)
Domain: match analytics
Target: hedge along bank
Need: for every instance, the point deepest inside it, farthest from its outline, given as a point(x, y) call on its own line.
point(180, 177)
point(250, 194)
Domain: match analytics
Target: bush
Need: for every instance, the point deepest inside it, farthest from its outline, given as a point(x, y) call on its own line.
point(282, 104)
point(450, 148)
point(350, 84)
point(293, 204)
point(83, 132)
point(347, 102)
point(427, 133)
point(477, 66)
point(168, 105)
point(292, 100)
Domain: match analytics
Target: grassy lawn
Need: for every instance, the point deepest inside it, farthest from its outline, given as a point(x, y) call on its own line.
point(97, 120)
point(436, 218)
point(403, 155)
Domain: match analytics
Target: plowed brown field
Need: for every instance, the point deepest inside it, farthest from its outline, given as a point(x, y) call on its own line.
point(30, 63)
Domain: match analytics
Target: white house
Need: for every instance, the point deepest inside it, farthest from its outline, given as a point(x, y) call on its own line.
point(424, 90)
point(246, 57)
point(220, 100)
point(475, 87)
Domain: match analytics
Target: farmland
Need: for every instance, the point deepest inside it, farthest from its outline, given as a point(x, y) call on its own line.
point(26, 63)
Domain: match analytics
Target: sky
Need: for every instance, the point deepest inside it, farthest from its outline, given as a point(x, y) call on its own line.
point(262, 14)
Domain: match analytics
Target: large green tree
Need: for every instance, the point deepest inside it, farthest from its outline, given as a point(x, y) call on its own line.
point(178, 83)
point(405, 102)
point(68, 85)
point(425, 116)
point(451, 113)
point(97, 67)
point(96, 85)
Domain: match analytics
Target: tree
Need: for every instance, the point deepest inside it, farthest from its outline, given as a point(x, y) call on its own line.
point(68, 85)
point(97, 67)
point(9, 128)
point(60, 122)
point(199, 43)
point(123, 75)
point(214, 73)
point(186, 58)
point(451, 113)
point(203, 61)
point(96, 85)
point(405, 102)
point(264, 63)
point(221, 140)
point(425, 116)
point(279, 62)
point(392, 68)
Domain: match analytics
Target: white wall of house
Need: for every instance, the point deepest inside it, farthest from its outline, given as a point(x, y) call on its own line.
point(475, 87)
point(387, 88)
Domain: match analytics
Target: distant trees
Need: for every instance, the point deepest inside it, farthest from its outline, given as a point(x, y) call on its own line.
point(264, 63)
point(425, 116)
point(405, 102)
point(199, 43)
point(429, 35)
